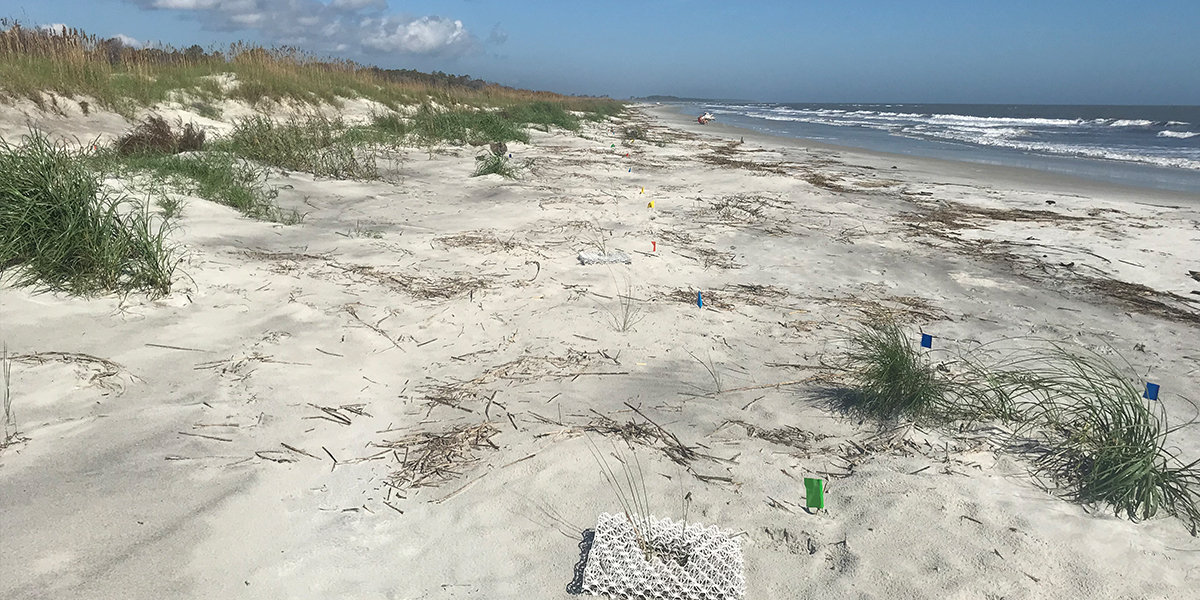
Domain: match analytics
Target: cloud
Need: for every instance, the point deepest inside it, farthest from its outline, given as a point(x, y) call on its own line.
point(343, 26)
point(57, 28)
point(498, 35)
point(127, 41)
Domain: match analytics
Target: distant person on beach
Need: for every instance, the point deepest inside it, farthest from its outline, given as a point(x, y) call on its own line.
point(705, 118)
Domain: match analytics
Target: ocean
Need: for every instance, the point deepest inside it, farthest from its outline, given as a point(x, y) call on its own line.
point(1142, 146)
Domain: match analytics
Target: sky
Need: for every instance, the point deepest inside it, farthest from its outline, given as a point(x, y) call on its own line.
point(897, 51)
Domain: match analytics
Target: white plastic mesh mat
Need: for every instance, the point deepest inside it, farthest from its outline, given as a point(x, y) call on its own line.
point(617, 565)
point(606, 258)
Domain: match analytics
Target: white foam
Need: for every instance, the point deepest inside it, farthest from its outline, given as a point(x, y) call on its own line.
point(1178, 134)
point(1132, 123)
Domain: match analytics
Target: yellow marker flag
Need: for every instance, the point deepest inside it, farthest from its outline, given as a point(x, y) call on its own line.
point(650, 205)
point(643, 191)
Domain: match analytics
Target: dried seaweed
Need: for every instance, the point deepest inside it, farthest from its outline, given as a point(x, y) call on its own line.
point(431, 459)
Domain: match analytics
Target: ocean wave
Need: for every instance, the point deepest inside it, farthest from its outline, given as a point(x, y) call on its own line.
point(1125, 140)
point(1078, 151)
point(1131, 123)
point(1178, 134)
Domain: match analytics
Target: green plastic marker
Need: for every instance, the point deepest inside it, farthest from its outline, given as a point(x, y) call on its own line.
point(814, 493)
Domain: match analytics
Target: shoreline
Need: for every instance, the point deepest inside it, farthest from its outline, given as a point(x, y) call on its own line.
point(997, 175)
point(254, 433)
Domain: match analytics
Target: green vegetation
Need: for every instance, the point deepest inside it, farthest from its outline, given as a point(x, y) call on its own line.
point(891, 377)
point(494, 163)
point(216, 176)
point(1082, 417)
point(463, 126)
point(1103, 440)
point(60, 230)
point(72, 63)
point(315, 145)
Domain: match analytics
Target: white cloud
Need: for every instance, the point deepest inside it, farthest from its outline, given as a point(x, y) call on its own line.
point(127, 41)
point(57, 28)
point(427, 35)
point(354, 26)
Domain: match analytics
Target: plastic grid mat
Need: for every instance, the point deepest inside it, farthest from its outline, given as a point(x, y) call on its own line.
point(711, 560)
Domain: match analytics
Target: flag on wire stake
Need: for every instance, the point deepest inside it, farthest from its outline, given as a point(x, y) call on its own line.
point(1151, 391)
point(926, 341)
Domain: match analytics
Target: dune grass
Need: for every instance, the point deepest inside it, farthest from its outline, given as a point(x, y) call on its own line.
point(62, 231)
point(494, 164)
point(891, 377)
point(1104, 441)
point(1093, 433)
point(73, 63)
point(315, 145)
point(430, 126)
point(217, 176)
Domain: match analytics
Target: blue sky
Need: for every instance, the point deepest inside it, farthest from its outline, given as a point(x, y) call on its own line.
point(985, 51)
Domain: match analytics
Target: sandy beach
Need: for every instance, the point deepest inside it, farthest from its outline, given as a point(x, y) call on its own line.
point(235, 439)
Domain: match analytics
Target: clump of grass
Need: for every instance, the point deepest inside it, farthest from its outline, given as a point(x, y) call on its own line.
point(61, 230)
point(494, 164)
point(627, 311)
point(1103, 440)
point(315, 145)
point(891, 378)
point(154, 135)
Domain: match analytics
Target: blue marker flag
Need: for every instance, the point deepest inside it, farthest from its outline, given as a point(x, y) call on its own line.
point(699, 300)
point(926, 340)
point(1151, 391)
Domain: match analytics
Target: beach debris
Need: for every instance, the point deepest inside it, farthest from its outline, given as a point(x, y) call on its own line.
point(1194, 275)
point(814, 493)
point(645, 557)
point(926, 340)
point(431, 459)
point(604, 258)
point(1151, 391)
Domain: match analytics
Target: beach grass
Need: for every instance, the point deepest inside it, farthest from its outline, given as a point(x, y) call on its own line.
point(315, 144)
point(10, 420)
point(216, 176)
point(36, 62)
point(1103, 441)
point(494, 164)
point(431, 126)
point(1083, 420)
point(62, 231)
point(891, 377)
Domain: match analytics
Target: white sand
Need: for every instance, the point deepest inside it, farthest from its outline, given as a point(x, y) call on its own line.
point(107, 499)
